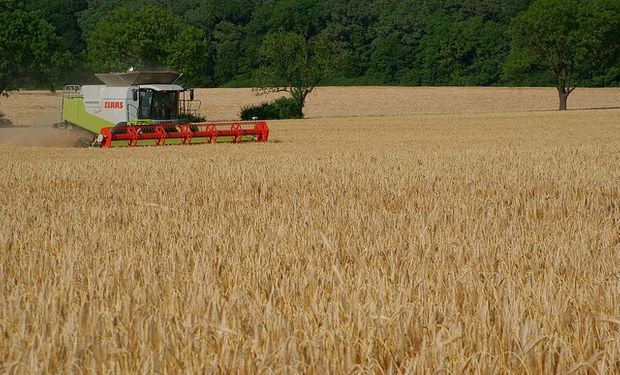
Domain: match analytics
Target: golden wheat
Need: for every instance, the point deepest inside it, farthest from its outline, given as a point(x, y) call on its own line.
point(39, 108)
point(480, 243)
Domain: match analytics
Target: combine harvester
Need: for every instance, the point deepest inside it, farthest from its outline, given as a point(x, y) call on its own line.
point(147, 108)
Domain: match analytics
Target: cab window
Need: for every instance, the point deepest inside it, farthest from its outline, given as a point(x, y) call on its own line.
point(158, 105)
point(144, 107)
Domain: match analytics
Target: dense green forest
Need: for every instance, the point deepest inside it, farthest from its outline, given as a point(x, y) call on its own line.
point(382, 42)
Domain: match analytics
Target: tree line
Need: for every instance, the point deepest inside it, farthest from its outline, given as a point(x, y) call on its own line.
point(234, 43)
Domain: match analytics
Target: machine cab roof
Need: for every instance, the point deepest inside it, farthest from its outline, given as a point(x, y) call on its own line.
point(135, 78)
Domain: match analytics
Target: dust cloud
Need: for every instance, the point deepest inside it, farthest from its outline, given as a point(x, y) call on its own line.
point(41, 136)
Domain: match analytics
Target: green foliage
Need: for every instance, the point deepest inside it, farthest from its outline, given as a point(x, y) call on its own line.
point(407, 42)
point(299, 16)
point(459, 53)
point(89, 18)
point(294, 64)
point(227, 52)
point(147, 38)
point(207, 14)
point(569, 39)
point(352, 24)
point(30, 51)
point(281, 108)
point(60, 14)
point(396, 37)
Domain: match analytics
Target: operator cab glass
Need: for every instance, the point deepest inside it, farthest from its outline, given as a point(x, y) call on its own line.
point(158, 105)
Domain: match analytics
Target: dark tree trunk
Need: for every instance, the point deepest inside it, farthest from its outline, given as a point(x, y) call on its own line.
point(299, 96)
point(563, 100)
point(564, 91)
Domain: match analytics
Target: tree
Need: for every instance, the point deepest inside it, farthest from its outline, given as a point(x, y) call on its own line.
point(150, 37)
point(469, 52)
point(294, 64)
point(30, 51)
point(61, 15)
point(270, 16)
point(396, 35)
point(351, 22)
point(96, 10)
point(570, 39)
point(207, 14)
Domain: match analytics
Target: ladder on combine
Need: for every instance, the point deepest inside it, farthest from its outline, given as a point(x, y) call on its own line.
point(68, 92)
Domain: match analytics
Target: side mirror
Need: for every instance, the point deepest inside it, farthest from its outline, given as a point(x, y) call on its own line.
point(191, 94)
point(134, 95)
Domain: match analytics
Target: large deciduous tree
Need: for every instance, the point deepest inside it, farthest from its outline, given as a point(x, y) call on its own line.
point(294, 64)
point(30, 50)
point(61, 14)
point(569, 39)
point(147, 38)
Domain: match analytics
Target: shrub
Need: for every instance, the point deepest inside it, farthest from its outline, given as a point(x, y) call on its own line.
point(281, 108)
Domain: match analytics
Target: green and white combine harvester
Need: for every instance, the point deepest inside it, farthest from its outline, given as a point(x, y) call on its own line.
point(147, 108)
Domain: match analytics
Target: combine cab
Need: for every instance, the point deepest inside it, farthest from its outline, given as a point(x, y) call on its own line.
point(147, 108)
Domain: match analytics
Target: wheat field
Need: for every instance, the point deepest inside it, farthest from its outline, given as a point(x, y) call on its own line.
point(40, 108)
point(440, 243)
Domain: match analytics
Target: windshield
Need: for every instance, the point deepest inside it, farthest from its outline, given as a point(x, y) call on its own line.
point(158, 105)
